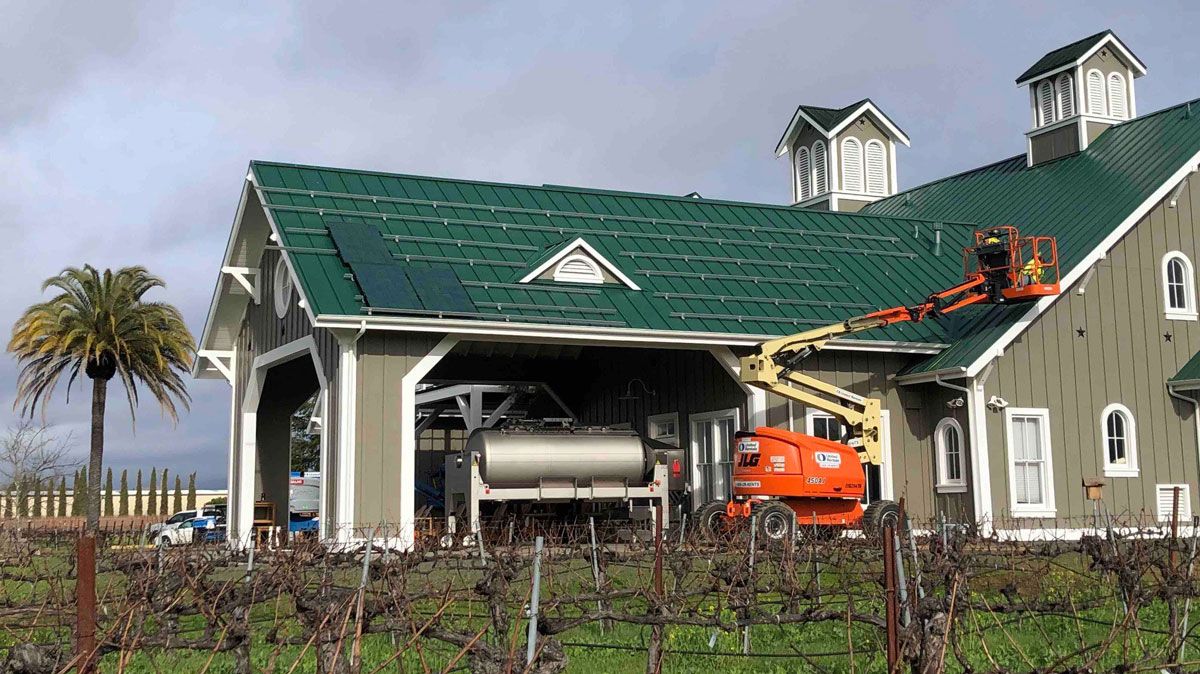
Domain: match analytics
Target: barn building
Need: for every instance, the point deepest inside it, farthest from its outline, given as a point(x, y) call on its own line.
point(412, 306)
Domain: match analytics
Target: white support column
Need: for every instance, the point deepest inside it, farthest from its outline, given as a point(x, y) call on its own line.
point(981, 472)
point(408, 438)
point(339, 529)
point(756, 398)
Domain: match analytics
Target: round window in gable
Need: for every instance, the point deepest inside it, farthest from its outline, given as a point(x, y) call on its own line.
point(283, 288)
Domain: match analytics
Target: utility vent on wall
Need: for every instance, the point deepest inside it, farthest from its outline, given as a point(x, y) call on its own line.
point(1165, 494)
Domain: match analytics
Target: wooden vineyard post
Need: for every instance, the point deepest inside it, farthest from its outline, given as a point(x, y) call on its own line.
point(85, 603)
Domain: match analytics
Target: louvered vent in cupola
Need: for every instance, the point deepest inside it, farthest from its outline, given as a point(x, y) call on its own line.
point(1095, 94)
point(852, 165)
point(876, 168)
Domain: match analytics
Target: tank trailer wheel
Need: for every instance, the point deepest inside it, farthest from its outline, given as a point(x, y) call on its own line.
point(775, 521)
point(878, 515)
point(710, 519)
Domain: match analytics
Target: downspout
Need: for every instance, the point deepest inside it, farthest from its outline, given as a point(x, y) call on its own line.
point(1195, 414)
point(981, 490)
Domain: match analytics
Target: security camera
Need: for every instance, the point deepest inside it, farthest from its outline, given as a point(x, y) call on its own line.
point(955, 403)
point(996, 403)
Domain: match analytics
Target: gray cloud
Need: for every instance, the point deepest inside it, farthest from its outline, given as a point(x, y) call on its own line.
point(126, 127)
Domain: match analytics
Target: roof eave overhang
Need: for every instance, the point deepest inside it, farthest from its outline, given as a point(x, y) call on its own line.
point(206, 334)
point(1136, 64)
point(799, 116)
point(531, 331)
point(1184, 385)
point(957, 372)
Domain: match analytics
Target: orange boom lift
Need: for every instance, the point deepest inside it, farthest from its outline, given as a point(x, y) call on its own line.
point(779, 476)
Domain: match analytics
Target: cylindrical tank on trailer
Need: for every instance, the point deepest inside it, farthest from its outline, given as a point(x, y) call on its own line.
point(525, 456)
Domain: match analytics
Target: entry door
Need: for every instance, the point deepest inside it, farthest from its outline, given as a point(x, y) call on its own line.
point(878, 478)
point(712, 455)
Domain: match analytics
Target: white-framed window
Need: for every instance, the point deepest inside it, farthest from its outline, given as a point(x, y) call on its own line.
point(664, 428)
point(803, 174)
point(1119, 433)
point(852, 165)
point(1118, 101)
point(1065, 88)
point(820, 180)
point(1045, 100)
point(951, 464)
point(1030, 469)
point(1164, 502)
point(876, 167)
point(879, 478)
point(282, 288)
point(1179, 287)
point(712, 454)
point(578, 269)
point(1096, 96)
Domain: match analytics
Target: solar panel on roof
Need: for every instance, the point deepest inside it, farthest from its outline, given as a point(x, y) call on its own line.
point(439, 289)
point(385, 285)
point(359, 242)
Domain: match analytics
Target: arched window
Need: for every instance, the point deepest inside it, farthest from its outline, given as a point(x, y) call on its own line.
point(803, 174)
point(1065, 86)
point(1045, 97)
point(948, 441)
point(876, 168)
point(578, 269)
point(1118, 103)
point(820, 180)
point(1120, 441)
point(1179, 287)
point(1095, 93)
point(852, 165)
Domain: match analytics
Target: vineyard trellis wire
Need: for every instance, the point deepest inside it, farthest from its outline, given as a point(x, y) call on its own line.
point(611, 599)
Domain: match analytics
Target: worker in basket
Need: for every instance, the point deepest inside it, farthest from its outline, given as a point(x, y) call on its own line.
point(1031, 272)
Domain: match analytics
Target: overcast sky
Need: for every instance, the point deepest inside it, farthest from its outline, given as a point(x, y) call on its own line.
point(126, 127)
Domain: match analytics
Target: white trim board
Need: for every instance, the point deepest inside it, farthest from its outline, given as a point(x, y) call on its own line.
point(1098, 253)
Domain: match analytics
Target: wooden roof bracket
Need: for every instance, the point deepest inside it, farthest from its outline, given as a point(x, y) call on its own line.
point(1179, 190)
point(247, 278)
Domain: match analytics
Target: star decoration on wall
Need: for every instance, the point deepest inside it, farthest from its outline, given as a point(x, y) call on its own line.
point(1081, 332)
point(1167, 336)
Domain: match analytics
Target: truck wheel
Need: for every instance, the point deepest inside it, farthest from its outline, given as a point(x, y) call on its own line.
point(878, 515)
point(710, 518)
point(775, 521)
point(166, 542)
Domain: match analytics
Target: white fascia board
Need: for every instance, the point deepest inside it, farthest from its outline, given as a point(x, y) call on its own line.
point(887, 123)
point(926, 377)
point(1138, 66)
point(540, 332)
point(573, 246)
point(287, 259)
point(225, 260)
point(800, 116)
point(824, 196)
point(1098, 253)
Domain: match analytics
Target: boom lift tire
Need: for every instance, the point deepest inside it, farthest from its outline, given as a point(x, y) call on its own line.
point(710, 519)
point(775, 521)
point(878, 515)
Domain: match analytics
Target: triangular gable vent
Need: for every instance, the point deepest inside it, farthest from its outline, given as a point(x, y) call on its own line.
point(579, 262)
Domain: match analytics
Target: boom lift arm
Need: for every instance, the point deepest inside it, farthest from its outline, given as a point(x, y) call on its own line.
point(996, 271)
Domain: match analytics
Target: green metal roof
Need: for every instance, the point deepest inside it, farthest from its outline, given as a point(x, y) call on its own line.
point(831, 117)
point(703, 265)
point(1080, 199)
point(1188, 377)
point(1063, 55)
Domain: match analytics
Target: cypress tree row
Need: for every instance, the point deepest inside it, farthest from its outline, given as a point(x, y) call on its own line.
point(162, 499)
point(137, 496)
point(108, 494)
point(37, 497)
point(191, 495)
point(22, 499)
point(123, 509)
point(62, 496)
point(152, 504)
point(178, 503)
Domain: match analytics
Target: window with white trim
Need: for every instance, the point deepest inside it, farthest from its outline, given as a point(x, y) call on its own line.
point(1164, 502)
point(876, 168)
point(712, 454)
point(951, 467)
point(803, 174)
point(1065, 88)
point(664, 428)
point(1119, 433)
point(820, 181)
point(282, 288)
point(1095, 93)
point(578, 269)
point(1045, 98)
point(878, 478)
point(852, 165)
point(1118, 102)
point(1030, 469)
point(1179, 287)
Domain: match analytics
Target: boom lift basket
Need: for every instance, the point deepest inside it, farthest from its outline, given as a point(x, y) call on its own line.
point(1016, 268)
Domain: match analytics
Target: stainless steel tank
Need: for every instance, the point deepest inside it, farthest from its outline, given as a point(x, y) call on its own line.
point(526, 456)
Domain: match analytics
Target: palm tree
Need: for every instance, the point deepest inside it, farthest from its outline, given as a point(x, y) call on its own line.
point(100, 325)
